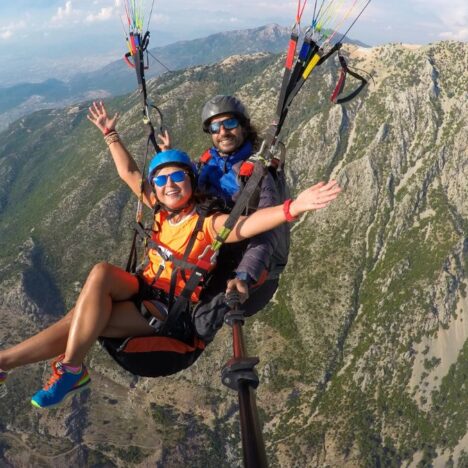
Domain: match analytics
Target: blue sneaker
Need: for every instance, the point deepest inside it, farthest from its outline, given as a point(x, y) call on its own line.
point(60, 385)
point(3, 376)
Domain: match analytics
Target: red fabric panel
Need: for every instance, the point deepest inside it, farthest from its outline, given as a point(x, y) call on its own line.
point(205, 157)
point(147, 344)
point(246, 169)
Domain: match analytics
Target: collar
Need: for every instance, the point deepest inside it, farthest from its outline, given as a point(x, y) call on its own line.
point(243, 153)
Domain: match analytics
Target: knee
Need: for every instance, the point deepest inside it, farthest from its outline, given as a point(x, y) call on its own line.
point(100, 272)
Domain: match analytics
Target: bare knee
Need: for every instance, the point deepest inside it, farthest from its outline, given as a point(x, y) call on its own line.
point(100, 273)
point(101, 269)
point(107, 279)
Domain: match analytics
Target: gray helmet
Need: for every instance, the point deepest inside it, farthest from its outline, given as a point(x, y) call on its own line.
point(222, 104)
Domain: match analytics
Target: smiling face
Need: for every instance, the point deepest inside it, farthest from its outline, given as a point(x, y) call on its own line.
point(174, 195)
point(227, 141)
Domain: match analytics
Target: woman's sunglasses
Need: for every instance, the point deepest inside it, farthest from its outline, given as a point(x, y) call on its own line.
point(228, 124)
point(176, 176)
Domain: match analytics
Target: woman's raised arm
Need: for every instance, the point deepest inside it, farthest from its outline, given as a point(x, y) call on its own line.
point(126, 166)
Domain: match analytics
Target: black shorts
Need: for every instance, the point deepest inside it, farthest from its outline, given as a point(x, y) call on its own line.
point(159, 354)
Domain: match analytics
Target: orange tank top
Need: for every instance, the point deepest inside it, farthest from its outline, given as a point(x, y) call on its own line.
point(174, 238)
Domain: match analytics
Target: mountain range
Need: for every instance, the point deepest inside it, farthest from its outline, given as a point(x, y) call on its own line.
point(117, 78)
point(364, 349)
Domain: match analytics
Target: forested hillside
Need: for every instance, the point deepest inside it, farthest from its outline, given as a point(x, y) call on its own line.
point(364, 352)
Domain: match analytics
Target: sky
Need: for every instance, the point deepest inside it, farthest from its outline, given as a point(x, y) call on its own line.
point(57, 38)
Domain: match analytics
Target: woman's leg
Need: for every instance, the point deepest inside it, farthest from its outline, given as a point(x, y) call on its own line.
point(106, 284)
point(47, 344)
point(124, 320)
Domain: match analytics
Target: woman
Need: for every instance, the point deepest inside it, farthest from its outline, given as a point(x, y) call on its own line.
point(108, 303)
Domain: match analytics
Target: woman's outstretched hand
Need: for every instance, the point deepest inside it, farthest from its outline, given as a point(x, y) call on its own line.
point(97, 114)
point(315, 198)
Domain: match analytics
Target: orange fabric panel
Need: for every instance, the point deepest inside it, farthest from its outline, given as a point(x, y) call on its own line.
point(147, 344)
point(174, 238)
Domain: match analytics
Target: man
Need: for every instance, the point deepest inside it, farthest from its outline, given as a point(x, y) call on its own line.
point(252, 269)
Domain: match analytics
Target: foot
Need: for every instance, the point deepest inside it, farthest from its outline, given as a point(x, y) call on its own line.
point(61, 384)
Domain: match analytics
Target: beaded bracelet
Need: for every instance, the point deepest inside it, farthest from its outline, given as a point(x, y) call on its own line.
point(111, 138)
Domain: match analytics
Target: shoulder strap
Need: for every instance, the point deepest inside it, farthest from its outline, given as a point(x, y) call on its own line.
point(188, 249)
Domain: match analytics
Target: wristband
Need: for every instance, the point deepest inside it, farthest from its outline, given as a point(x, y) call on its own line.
point(286, 206)
point(243, 276)
point(107, 131)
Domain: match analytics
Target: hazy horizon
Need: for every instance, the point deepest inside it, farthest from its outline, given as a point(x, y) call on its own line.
point(59, 38)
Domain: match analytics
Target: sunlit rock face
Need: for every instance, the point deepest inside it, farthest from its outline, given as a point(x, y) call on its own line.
point(363, 351)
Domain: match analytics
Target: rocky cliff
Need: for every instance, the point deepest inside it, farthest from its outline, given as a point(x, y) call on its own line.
point(364, 349)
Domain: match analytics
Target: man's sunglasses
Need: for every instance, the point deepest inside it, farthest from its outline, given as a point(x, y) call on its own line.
point(176, 176)
point(228, 124)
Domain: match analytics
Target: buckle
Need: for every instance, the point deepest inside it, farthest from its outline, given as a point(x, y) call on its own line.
point(155, 323)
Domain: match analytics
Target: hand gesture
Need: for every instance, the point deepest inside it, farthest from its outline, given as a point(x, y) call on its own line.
point(315, 198)
point(97, 114)
point(164, 141)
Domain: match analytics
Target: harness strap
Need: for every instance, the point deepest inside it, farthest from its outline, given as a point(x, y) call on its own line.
point(191, 243)
point(287, 68)
point(341, 83)
point(305, 69)
point(307, 60)
point(132, 256)
point(304, 54)
point(169, 257)
point(158, 273)
point(183, 261)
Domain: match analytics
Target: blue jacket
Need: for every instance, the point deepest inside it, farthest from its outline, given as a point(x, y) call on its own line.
point(219, 177)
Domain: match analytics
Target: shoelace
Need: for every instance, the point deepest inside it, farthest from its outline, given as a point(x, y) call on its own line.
point(57, 372)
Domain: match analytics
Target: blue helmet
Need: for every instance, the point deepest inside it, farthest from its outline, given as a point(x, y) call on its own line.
point(171, 157)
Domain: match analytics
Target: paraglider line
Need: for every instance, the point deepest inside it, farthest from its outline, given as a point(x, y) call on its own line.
point(159, 61)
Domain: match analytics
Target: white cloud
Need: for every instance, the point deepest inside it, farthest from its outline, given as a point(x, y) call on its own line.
point(452, 17)
point(10, 30)
point(104, 14)
point(8, 34)
point(160, 19)
point(63, 13)
point(457, 35)
point(89, 12)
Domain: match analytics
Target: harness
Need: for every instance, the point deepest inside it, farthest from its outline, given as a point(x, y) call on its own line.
point(179, 264)
point(181, 304)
